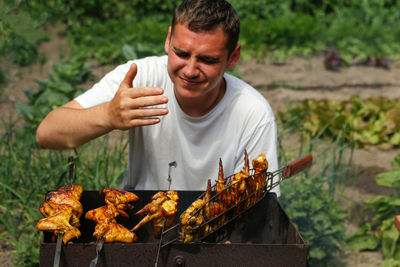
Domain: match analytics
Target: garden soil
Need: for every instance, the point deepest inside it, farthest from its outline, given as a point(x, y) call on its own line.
point(294, 80)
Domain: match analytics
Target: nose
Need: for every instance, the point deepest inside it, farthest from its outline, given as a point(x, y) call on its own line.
point(191, 70)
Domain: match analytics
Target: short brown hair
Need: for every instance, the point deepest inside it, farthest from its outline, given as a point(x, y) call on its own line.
point(204, 15)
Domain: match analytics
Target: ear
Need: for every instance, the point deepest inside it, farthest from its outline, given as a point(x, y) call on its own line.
point(234, 57)
point(167, 40)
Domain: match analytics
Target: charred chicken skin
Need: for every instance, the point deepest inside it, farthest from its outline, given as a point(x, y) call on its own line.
point(242, 191)
point(107, 227)
point(121, 199)
point(161, 211)
point(62, 210)
point(211, 210)
point(260, 165)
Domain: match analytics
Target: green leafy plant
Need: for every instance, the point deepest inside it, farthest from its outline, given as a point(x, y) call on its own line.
point(317, 216)
point(58, 90)
point(311, 199)
point(20, 35)
point(380, 232)
point(365, 122)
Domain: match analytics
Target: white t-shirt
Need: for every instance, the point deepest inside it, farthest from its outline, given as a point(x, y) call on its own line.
point(242, 120)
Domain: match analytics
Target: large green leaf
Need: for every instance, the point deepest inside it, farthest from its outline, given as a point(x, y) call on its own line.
point(390, 242)
point(361, 242)
point(389, 179)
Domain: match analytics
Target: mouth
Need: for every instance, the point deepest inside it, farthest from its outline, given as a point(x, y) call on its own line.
point(190, 83)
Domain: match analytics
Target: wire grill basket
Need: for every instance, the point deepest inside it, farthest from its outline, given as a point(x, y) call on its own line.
point(215, 209)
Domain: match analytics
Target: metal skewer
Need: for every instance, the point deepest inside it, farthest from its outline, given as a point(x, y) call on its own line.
point(71, 169)
point(99, 246)
point(169, 179)
point(60, 236)
point(58, 251)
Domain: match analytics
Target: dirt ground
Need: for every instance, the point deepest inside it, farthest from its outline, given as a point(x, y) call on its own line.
point(295, 80)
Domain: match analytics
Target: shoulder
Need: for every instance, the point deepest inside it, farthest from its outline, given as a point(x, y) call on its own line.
point(145, 65)
point(246, 99)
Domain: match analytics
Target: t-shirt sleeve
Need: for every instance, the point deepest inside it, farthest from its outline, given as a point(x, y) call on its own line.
point(152, 71)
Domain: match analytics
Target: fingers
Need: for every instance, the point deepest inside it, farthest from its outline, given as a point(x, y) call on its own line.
point(130, 76)
point(146, 113)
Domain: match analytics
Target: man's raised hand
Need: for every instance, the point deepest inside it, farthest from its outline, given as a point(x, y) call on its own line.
point(132, 107)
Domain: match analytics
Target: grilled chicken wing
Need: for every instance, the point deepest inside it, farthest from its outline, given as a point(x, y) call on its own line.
point(62, 210)
point(160, 211)
point(260, 165)
point(121, 199)
point(107, 227)
point(115, 232)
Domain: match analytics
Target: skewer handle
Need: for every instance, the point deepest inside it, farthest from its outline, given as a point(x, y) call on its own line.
point(297, 166)
point(397, 222)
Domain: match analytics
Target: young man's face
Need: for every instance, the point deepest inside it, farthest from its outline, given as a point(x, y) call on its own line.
point(197, 61)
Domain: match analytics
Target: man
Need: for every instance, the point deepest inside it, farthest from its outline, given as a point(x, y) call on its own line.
point(180, 107)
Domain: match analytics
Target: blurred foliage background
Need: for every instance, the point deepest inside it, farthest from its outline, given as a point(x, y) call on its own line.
point(111, 32)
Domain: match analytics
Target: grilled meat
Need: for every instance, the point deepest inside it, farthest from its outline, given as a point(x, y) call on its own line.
point(121, 199)
point(62, 210)
point(161, 211)
point(107, 227)
point(242, 191)
point(115, 232)
point(260, 165)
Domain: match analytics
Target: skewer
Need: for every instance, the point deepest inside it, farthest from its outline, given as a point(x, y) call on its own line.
point(60, 236)
point(71, 169)
point(159, 245)
point(171, 164)
point(58, 251)
point(99, 246)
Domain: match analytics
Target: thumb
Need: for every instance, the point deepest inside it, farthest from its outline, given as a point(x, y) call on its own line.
point(130, 75)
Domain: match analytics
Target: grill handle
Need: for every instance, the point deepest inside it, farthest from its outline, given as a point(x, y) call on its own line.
point(397, 222)
point(297, 166)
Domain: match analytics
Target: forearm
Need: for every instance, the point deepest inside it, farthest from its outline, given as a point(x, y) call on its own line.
point(69, 127)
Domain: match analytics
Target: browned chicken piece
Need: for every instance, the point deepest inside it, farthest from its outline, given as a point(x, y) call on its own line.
point(102, 214)
point(160, 211)
point(260, 165)
point(59, 223)
point(224, 197)
point(107, 227)
point(121, 199)
point(62, 210)
point(71, 233)
point(68, 197)
point(74, 190)
point(192, 218)
point(189, 217)
point(238, 187)
point(240, 178)
point(118, 233)
point(154, 205)
point(221, 182)
point(49, 209)
point(210, 210)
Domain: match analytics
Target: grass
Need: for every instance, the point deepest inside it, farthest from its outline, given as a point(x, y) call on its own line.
point(27, 172)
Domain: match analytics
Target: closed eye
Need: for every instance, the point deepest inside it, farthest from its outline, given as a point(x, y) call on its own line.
point(208, 60)
point(181, 53)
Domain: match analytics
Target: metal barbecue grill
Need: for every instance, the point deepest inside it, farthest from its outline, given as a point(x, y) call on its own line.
point(254, 231)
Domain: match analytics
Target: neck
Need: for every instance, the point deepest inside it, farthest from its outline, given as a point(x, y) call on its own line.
point(201, 106)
